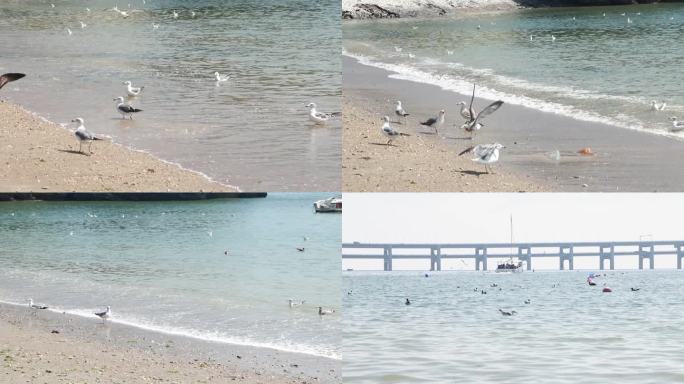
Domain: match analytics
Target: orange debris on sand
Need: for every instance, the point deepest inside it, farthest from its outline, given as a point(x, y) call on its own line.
point(586, 151)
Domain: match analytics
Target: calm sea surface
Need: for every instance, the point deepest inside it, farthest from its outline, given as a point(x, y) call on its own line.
point(252, 132)
point(569, 333)
point(599, 68)
point(161, 266)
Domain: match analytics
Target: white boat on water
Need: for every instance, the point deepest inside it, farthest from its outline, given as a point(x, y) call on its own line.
point(509, 267)
point(331, 204)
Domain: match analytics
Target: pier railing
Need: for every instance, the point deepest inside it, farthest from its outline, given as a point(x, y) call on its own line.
point(524, 252)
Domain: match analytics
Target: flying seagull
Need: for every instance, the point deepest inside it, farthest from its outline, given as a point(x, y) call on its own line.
point(131, 90)
point(388, 131)
point(320, 117)
point(125, 109)
point(676, 126)
point(435, 122)
point(83, 135)
point(657, 107)
point(104, 315)
point(399, 110)
point(473, 124)
point(9, 77)
point(486, 154)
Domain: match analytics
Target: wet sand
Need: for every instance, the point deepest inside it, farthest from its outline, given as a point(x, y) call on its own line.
point(38, 156)
point(86, 351)
point(623, 160)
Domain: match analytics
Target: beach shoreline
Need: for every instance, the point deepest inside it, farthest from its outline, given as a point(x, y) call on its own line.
point(622, 160)
point(41, 156)
point(49, 347)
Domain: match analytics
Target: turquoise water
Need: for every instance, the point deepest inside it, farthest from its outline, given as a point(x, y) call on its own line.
point(569, 333)
point(252, 132)
point(162, 266)
point(599, 68)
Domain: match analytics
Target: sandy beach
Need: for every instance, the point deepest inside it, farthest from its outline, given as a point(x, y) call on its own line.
point(622, 160)
point(47, 347)
point(38, 156)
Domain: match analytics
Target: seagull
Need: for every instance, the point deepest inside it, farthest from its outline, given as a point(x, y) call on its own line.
point(88, 10)
point(69, 32)
point(322, 311)
point(125, 109)
point(83, 25)
point(398, 49)
point(131, 90)
point(435, 122)
point(450, 52)
point(629, 21)
point(465, 113)
point(221, 78)
point(192, 13)
point(506, 313)
point(320, 117)
point(655, 107)
point(104, 315)
point(295, 303)
point(155, 26)
point(411, 55)
point(553, 38)
point(35, 306)
point(389, 131)
point(407, 302)
point(473, 124)
point(301, 249)
point(399, 110)
point(175, 14)
point(676, 126)
point(9, 77)
point(485, 154)
point(83, 135)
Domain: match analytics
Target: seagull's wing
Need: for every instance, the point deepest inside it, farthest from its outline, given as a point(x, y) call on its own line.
point(430, 121)
point(9, 77)
point(467, 150)
point(491, 108)
point(335, 114)
point(470, 108)
point(485, 151)
point(100, 314)
point(84, 135)
point(128, 109)
point(388, 130)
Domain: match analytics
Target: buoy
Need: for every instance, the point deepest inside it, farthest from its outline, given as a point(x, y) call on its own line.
point(606, 290)
point(586, 151)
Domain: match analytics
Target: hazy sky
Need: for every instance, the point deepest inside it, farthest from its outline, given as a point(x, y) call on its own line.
point(549, 217)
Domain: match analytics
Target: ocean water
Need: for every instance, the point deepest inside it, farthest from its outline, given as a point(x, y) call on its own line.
point(252, 132)
point(162, 267)
point(569, 333)
point(599, 68)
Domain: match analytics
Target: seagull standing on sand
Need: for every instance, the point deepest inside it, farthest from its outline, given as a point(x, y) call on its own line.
point(435, 122)
point(465, 113)
point(320, 117)
point(676, 126)
point(322, 311)
point(10, 77)
point(388, 131)
point(657, 107)
point(473, 124)
point(131, 90)
point(35, 306)
point(486, 154)
point(125, 109)
point(104, 315)
point(399, 110)
point(83, 135)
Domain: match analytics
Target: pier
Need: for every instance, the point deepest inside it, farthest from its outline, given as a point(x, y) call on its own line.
point(604, 252)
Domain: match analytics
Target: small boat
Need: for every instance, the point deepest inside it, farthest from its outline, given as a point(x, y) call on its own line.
point(509, 266)
point(331, 204)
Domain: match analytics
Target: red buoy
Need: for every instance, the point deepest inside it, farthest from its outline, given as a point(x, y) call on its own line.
point(606, 289)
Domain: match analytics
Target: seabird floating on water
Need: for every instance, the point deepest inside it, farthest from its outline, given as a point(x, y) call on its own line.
point(407, 302)
point(10, 77)
point(175, 14)
point(104, 315)
point(83, 135)
point(435, 122)
point(507, 313)
point(388, 131)
point(125, 109)
point(131, 90)
point(83, 25)
point(295, 303)
point(320, 117)
point(221, 78)
point(657, 107)
point(322, 311)
point(486, 154)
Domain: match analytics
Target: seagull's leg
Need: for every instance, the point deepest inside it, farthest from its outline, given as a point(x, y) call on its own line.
point(80, 144)
point(90, 144)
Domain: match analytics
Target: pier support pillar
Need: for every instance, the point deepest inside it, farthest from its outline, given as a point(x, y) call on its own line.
point(435, 259)
point(680, 255)
point(525, 254)
point(646, 252)
point(480, 257)
point(566, 253)
point(387, 255)
point(606, 252)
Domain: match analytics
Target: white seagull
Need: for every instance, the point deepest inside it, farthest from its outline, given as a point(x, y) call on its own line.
point(320, 117)
point(399, 110)
point(398, 49)
point(474, 124)
point(486, 154)
point(36, 306)
point(553, 38)
point(322, 311)
point(83, 25)
point(657, 107)
point(155, 26)
point(221, 78)
point(131, 90)
point(69, 32)
point(125, 109)
point(83, 135)
point(175, 14)
point(435, 122)
point(388, 131)
point(104, 315)
point(676, 126)
point(295, 303)
point(465, 113)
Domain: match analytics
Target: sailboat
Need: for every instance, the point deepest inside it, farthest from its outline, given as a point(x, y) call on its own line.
point(509, 265)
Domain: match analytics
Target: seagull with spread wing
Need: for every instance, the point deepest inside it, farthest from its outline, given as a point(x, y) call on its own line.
point(473, 123)
point(486, 154)
point(9, 77)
